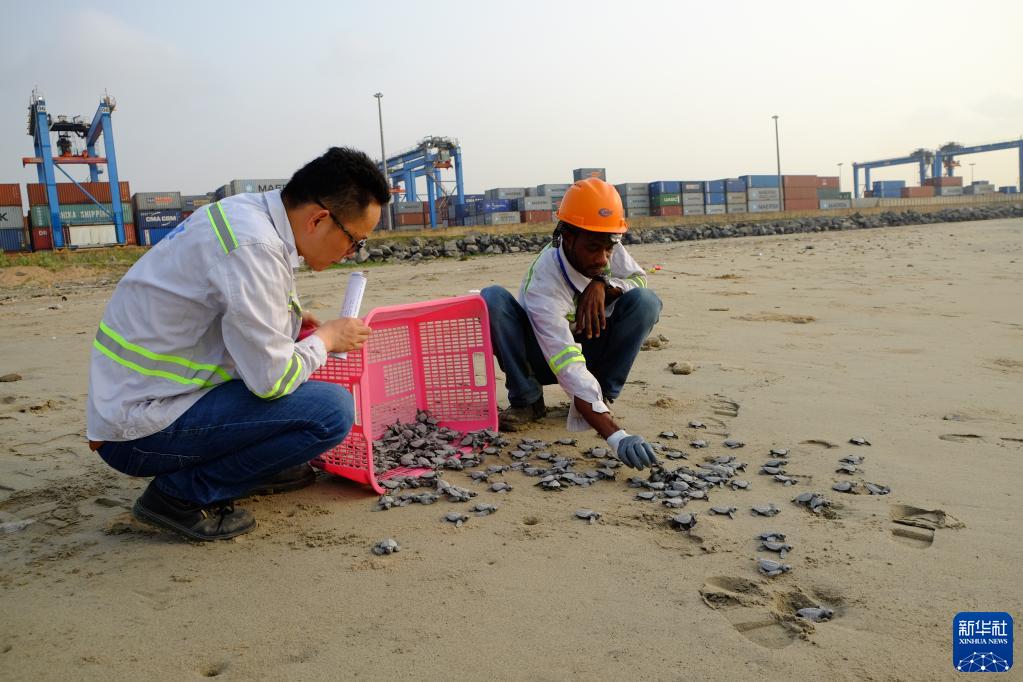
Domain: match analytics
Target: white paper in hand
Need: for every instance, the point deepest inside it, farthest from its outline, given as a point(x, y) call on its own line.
point(353, 301)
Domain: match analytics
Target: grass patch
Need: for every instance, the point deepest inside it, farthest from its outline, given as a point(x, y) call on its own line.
point(54, 261)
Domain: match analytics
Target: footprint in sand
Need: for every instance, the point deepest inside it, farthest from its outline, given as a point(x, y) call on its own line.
point(724, 406)
point(745, 605)
point(915, 527)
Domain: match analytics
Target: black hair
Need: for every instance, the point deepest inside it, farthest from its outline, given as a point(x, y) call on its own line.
point(344, 180)
point(560, 230)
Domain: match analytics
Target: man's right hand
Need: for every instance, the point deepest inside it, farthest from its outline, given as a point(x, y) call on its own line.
point(343, 335)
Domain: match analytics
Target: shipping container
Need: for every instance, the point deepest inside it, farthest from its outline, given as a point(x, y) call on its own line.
point(505, 193)
point(691, 187)
point(692, 199)
point(628, 189)
point(763, 206)
point(495, 206)
point(534, 204)
point(69, 193)
point(979, 189)
point(827, 204)
point(164, 218)
point(665, 211)
point(409, 206)
point(950, 191)
point(636, 202)
point(535, 216)
point(151, 236)
point(798, 181)
point(735, 197)
point(502, 218)
point(156, 201)
point(878, 184)
point(665, 187)
point(917, 192)
point(828, 182)
point(14, 239)
point(762, 194)
point(637, 212)
point(760, 181)
point(657, 200)
point(90, 235)
point(714, 209)
point(553, 190)
point(828, 193)
point(11, 218)
point(10, 194)
point(1008, 189)
point(693, 210)
point(802, 204)
point(736, 208)
point(583, 173)
point(405, 219)
point(803, 193)
point(714, 187)
point(80, 214)
point(734, 185)
point(715, 197)
point(944, 181)
point(192, 202)
point(256, 185)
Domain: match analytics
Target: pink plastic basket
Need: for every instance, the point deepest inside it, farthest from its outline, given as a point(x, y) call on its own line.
point(432, 356)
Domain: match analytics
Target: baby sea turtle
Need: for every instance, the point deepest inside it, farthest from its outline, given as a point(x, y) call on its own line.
point(765, 509)
point(815, 502)
point(549, 483)
point(779, 452)
point(877, 488)
point(456, 518)
point(776, 546)
point(693, 494)
point(859, 440)
point(566, 441)
point(739, 484)
point(646, 495)
point(518, 454)
point(668, 434)
point(697, 425)
point(500, 487)
point(771, 471)
point(817, 614)
point(587, 515)
point(772, 568)
point(484, 509)
point(775, 463)
point(771, 536)
point(733, 444)
point(785, 480)
point(845, 469)
point(724, 511)
point(596, 453)
point(845, 487)
point(675, 454)
point(850, 459)
point(425, 498)
point(388, 546)
point(479, 475)
point(684, 522)
point(698, 443)
point(386, 502)
point(675, 502)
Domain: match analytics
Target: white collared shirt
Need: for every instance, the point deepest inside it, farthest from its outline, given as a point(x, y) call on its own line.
point(214, 301)
point(549, 294)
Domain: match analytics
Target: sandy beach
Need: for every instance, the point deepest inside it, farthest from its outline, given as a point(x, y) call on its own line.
point(911, 337)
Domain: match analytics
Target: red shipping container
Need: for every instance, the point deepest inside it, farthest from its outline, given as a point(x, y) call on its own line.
point(801, 204)
point(536, 216)
point(10, 195)
point(662, 211)
point(405, 219)
point(69, 193)
point(944, 181)
point(828, 182)
point(800, 193)
point(799, 181)
point(42, 239)
point(917, 192)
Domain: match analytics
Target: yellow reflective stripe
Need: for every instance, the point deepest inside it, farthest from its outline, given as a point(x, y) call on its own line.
point(638, 279)
point(566, 351)
point(149, 372)
point(146, 353)
point(529, 277)
point(213, 224)
point(227, 223)
point(298, 371)
point(568, 361)
point(293, 303)
point(272, 392)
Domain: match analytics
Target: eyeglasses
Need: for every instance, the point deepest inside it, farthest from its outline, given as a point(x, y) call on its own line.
point(357, 244)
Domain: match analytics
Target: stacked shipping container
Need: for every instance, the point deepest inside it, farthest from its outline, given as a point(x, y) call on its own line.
point(691, 192)
point(665, 198)
point(92, 225)
point(800, 192)
point(13, 236)
point(735, 195)
point(714, 199)
point(635, 198)
point(156, 214)
point(762, 193)
point(830, 195)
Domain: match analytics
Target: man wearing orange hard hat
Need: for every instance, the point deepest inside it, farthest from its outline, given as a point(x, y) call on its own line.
point(582, 314)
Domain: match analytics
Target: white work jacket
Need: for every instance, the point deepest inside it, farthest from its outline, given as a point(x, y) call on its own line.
point(214, 301)
point(550, 294)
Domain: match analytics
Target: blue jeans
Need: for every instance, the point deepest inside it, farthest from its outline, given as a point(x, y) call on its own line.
point(230, 441)
point(609, 357)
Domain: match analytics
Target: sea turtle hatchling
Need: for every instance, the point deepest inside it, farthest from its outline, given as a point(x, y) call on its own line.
point(771, 536)
point(484, 509)
point(697, 425)
point(668, 434)
point(685, 522)
point(698, 443)
point(771, 471)
point(815, 502)
point(739, 484)
point(785, 480)
point(779, 452)
point(500, 487)
point(765, 509)
point(675, 502)
point(456, 518)
point(877, 488)
point(733, 444)
point(566, 441)
point(388, 546)
point(845, 487)
point(859, 440)
point(776, 546)
point(815, 614)
point(646, 495)
point(724, 511)
point(775, 463)
point(845, 469)
point(587, 515)
point(851, 459)
point(772, 568)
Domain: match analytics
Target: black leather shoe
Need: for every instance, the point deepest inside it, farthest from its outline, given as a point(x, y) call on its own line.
point(219, 521)
point(292, 478)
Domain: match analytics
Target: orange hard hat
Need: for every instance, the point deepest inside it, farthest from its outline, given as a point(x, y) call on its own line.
point(595, 206)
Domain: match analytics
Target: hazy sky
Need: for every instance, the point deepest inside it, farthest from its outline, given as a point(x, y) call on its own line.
point(207, 92)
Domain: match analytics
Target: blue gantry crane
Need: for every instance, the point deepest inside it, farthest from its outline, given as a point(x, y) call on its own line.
point(427, 159)
point(41, 126)
point(921, 157)
point(946, 154)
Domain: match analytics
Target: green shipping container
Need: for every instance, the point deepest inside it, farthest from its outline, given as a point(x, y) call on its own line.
point(831, 193)
point(79, 214)
point(658, 200)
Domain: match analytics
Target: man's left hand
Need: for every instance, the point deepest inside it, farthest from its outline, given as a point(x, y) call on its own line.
point(310, 320)
point(589, 313)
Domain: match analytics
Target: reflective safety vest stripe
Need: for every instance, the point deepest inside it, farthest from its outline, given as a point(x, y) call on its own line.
point(287, 380)
point(221, 227)
point(637, 279)
point(566, 357)
point(144, 361)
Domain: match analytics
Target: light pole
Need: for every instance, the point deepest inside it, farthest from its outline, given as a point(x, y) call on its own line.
point(840, 176)
point(383, 158)
point(971, 173)
point(777, 154)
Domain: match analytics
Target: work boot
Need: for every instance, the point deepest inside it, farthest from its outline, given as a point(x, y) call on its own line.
point(218, 521)
point(292, 478)
point(514, 418)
